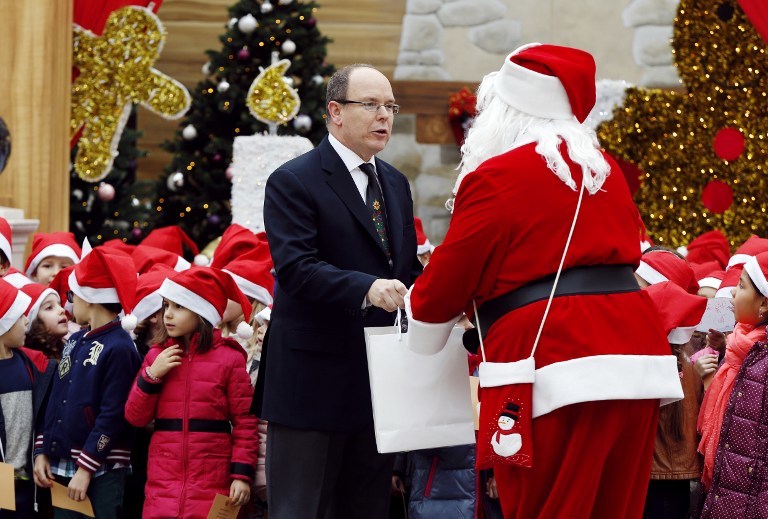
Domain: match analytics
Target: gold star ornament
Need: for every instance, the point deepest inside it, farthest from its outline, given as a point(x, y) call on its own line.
point(271, 99)
point(115, 71)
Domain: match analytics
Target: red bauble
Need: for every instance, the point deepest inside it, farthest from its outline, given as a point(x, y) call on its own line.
point(717, 196)
point(728, 144)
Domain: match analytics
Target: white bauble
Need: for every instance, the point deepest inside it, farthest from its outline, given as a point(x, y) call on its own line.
point(318, 79)
point(175, 181)
point(106, 192)
point(302, 122)
point(266, 7)
point(231, 23)
point(247, 24)
point(207, 68)
point(189, 132)
point(288, 46)
point(223, 86)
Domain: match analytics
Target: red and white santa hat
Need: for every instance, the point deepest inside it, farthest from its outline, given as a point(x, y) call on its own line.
point(37, 292)
point(756, 268)
point(239, 242)
point(710, 246)
point(254, 278)
point(752, 247)
point(119, 245)
point(145, 256)
point(107, 276)
point(60, 284)
point(729, 282)
point(205, 291)
point(712, 279)
point(6, 238)
point(16, 278)
point(657, 266)
point(422, 242)
point(171, 238)
point(45, 245)
point(680, 311)
point(148, 298)
point(13, 303)
point(548, 81)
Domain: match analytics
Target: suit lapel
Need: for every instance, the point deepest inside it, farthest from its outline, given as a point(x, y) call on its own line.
point(394, 211)
point(342, 184)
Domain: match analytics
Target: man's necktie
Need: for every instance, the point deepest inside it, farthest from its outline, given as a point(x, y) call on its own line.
point(375, 202)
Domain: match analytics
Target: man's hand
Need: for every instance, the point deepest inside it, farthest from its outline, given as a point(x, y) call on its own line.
point(387, 294)
point(78, 485)
point(42, 472)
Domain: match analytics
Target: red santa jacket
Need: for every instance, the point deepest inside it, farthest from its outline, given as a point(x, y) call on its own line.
point(509, 227)
point(204, 435)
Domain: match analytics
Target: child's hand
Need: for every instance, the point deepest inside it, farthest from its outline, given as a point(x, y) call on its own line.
point(42, 472)
point(78, 485)
point(239, 492)
point(491, 489)
point(168, 359)
point(397, 485)
point(705, 367)
point(716, 340)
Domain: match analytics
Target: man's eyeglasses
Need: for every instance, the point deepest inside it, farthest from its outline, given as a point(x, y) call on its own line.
point(70, 296)
point(371, 106)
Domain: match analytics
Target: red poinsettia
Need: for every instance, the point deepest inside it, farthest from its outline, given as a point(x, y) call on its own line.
point(461, 113)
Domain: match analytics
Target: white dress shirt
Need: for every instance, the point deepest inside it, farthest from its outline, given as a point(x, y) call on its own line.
point(352, 161)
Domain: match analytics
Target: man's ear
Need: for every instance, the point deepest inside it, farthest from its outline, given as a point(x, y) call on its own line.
point(334, 112)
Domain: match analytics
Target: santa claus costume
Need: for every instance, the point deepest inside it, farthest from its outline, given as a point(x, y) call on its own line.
point(602, 361)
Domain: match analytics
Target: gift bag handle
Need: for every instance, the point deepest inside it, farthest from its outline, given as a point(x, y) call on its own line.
point(554, 284)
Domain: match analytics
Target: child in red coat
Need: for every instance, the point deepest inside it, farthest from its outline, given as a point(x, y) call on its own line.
point(193, 383)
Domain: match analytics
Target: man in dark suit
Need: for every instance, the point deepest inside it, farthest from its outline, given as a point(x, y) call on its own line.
point(340, 228)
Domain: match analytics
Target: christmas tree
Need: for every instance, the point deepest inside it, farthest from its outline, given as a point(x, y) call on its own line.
point(194, 191)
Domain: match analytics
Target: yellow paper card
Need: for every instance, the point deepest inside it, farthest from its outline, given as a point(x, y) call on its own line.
point(474, 384)
point(7, 488)
point(60, 499)
point(221, 510)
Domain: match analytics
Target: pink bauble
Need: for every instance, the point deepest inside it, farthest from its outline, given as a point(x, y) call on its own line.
point(244, 54)
point(106, 192)
point(230, 173)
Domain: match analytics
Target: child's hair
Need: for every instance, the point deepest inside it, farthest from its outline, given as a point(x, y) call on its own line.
point(114, 308)
point(40, 339)
point(204, 332)
point(4, 259)
point(654, 248)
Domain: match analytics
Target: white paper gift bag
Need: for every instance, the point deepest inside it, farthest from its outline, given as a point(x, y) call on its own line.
point(419, 401)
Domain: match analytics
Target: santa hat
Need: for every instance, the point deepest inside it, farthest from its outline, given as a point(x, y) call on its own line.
point(205, 291)
point(118, 245)
point(548, 81)
point(710, 246)
point(756, 268)
point(729, 282)
point(757, 12)
point(13, 303)
point(254, 278)
point(264, 316)
point(6, 238)
point(37, 293)
point(752, 247)
point(657, 266)
point(238, 242)
point(511, 411)
point(422, 242)
point(107, 277)
point(60, 284)
point(145, 256)
point(172, 239)
point(148, 298)
point(680, 311)
point(16, 278)
point(712, 279)
point(45, 245)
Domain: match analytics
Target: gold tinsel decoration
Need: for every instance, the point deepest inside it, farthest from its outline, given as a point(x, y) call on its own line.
point(670, 135)
point(271, 99)
point(115, 71)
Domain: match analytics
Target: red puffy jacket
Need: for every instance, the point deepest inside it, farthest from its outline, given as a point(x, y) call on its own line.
point(204, 435)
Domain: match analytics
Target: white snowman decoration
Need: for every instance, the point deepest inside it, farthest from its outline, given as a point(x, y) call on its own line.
point(504, 442)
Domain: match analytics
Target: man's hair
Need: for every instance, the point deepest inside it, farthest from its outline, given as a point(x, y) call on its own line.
point(339, 82)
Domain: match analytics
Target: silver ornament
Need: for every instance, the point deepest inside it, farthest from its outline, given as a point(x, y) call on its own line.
point(175, 181)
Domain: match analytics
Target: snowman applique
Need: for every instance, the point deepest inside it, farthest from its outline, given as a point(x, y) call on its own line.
point(504, 442)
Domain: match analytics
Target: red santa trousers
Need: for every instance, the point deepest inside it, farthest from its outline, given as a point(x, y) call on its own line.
point(591, 460)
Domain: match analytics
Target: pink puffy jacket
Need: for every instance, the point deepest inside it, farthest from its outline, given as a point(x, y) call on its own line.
point(204, 435)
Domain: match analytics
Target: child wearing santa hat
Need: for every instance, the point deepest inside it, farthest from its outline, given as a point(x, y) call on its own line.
point(85, 443)
point(194, 380)
point(750, 308)
point(424, 248)
point(734, 409)
point(25, 376)
point(48, 323)
point(50, 253)
point(675, 460)
point(659, 264)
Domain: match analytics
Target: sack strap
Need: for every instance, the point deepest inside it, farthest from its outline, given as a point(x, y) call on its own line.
point(554, 284)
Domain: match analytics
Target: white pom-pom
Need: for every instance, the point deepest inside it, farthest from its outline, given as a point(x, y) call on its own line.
point(244, 331)
point(201, 260)
point(129, 322)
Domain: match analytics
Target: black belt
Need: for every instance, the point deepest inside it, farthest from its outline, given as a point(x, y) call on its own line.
point(576, 281)
point(194, 425)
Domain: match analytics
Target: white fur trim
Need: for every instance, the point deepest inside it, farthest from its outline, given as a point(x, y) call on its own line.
point(710, 283)
point(264, 316)
point(681, 335)
point(190, 300)
point(16, 310)
point(424, 248)
point(530, 92)
point(5, 246)
point(32, 314)
point(645, 245)
point(58, 250)
point(426, 338)
point(93, 295)
point(737, 259)
point(683, 251)
point(650, 274)
point(259, 293)
point(724, 292)
point(182, 264)
point(494, 374)
point(596, 378)
point(17, 279)
point(201, 260)
point(148, 305)
point(752, 268)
